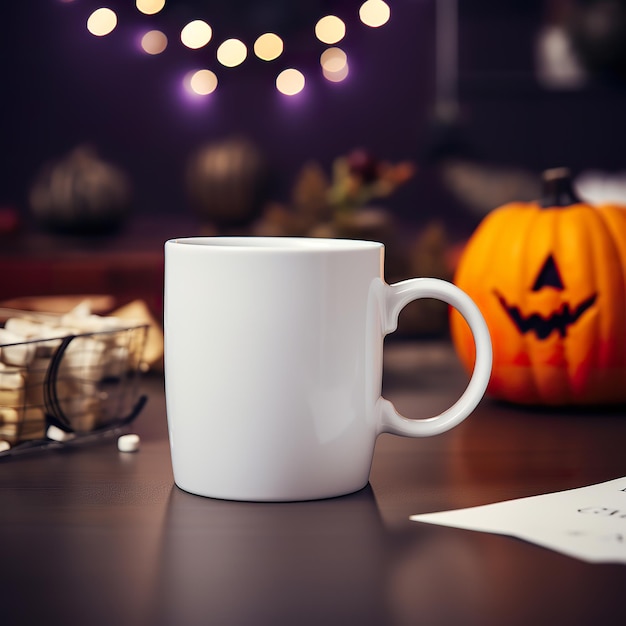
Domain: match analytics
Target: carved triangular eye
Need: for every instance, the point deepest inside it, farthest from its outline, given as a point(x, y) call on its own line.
point(549, 276)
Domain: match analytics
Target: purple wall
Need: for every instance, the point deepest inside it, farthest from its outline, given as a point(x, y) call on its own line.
point(62, 87)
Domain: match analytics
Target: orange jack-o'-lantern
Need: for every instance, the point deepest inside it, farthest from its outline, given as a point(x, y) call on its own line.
point(550, 280)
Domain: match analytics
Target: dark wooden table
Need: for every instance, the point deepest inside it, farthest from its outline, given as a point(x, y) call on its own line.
point(93, 536)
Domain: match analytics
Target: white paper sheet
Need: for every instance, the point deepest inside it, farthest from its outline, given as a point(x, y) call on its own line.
point(587, 523)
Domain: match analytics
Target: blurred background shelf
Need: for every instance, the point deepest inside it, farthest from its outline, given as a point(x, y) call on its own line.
point(127, 266)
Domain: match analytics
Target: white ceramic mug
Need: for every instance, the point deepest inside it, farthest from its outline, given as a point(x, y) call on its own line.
point(273, 364)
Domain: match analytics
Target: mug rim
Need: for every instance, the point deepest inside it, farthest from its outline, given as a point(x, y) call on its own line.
point(276, 244)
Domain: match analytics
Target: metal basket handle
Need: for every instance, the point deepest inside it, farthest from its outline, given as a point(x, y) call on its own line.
point(53, 409)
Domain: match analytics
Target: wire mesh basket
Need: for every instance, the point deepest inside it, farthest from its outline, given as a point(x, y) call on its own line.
point(82, 384)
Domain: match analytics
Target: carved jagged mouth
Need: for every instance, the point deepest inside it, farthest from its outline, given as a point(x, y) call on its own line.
point(559, 321)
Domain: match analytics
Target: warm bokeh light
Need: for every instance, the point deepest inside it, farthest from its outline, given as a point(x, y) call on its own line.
point(374, 13)
point(154, 42)
point(232, 52)
point(196, 34)
point(330, 29)
point(333, 60)
point(268, 47)
point(150, 7)
point(101, 22)
point(201, 82)
point(290, 82)
point(336, 76)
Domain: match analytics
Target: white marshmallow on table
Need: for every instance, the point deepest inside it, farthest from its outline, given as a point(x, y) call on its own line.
point(4, 445)
point(56, 434)
point(16, 352)
point(128, 443)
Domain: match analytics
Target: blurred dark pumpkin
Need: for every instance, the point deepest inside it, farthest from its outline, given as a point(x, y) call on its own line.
point(227, 184)
point(81, 194)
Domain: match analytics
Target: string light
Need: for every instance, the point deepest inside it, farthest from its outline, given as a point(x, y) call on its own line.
point(336, 77)
point(374, 13)
point(330, 29)
point(232, 52)
point(150, 7)
point(201, 82)
point(196, 34)
point(334, 62)
point(290, 82)
point(269, 46)
point(102, 22)
point(154, 42)
point(333, 59)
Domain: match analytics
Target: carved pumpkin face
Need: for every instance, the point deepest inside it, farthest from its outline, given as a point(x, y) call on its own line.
point(557, 321)
point(551, 284)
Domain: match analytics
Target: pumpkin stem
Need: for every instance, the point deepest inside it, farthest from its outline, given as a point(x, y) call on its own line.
point(557, 188)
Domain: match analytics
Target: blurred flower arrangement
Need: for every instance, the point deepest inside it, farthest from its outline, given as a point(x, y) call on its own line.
point(359, 178)
point(338, 206)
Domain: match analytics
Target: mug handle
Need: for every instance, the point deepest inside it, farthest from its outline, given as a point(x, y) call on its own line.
point(396, 297)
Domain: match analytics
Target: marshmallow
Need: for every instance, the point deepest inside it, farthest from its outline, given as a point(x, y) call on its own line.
point(11, 378)
point(83, 361)
point(18, 415)
point(95, 353)
point(4, 445)
point(46, 337)
point(22, 326)
point(12, 398)
point(81, 310)
point(9, 432)
point(13, 350)
point(92, 323)
point(56, 434)
point(21, 424)
point(9, 415)
point(128, 443)
point(49, 339)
